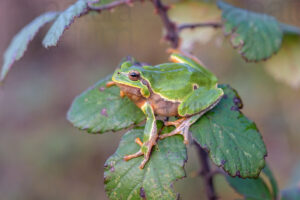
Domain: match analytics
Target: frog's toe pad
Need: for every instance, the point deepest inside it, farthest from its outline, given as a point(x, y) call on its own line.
point(138, 154)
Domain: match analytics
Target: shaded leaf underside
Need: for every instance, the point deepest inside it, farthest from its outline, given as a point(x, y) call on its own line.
point(267, 171)
point(20, 42)
point(255, 189)
point(64, 20)
point(256, 36)
point(285, 66)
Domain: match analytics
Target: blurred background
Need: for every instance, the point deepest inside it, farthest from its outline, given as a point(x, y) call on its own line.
point(43, 157)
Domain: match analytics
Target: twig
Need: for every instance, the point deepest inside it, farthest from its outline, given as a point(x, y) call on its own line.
point(197, 25)
point(172, 31)
point(162, 10)
point(206, 173)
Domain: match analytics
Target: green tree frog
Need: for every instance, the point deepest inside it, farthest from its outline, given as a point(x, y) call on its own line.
point(182, 89)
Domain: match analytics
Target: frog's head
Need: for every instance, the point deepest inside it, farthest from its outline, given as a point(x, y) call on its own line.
point(130, 74)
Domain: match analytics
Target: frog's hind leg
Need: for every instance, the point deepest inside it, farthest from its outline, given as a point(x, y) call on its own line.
point(182, 127)
point(150, 137)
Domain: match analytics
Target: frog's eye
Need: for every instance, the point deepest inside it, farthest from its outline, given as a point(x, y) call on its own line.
point(134, 75)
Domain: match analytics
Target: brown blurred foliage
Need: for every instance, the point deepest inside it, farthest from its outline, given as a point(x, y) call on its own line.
point(43, 157)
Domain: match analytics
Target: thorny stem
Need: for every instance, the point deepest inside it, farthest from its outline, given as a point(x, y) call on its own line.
point(172, 28)
point(206, 173)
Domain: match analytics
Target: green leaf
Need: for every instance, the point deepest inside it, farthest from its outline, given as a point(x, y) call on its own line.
point(195, 12)
point(291, 194)
point(64, 21)
point(232, 141)
point(20, 42)
point(124, 180)
point(256, 36)
point(285, 66)
point(267, 171)
point(101, 109)
point(255, 189)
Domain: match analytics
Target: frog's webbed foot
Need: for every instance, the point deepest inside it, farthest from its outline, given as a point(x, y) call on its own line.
point(182, 127)
point(145, 150)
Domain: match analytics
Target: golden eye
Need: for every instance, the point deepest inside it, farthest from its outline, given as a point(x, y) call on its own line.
point(134, 75)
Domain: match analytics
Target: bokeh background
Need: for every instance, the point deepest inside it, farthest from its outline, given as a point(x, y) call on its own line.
point(43, 157)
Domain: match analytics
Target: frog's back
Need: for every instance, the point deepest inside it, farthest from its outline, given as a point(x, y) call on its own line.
point(176, 80)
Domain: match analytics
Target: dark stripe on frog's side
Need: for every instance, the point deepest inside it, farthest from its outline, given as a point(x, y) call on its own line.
point(160, 105)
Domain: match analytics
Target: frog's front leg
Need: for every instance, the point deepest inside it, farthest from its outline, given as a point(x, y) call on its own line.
point(150, 136)
point(182, 127)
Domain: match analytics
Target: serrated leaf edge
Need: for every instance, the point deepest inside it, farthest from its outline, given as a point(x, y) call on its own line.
point(222, 165)
point(8, 61)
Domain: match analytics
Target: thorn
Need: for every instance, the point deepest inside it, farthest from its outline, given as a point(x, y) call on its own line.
point(167, 7)
point(130, 3)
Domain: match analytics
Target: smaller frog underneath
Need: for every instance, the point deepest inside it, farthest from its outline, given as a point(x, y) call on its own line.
point(182, 89)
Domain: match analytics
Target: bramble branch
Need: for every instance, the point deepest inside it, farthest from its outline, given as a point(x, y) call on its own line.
point(206, 173)
point(171, 27)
